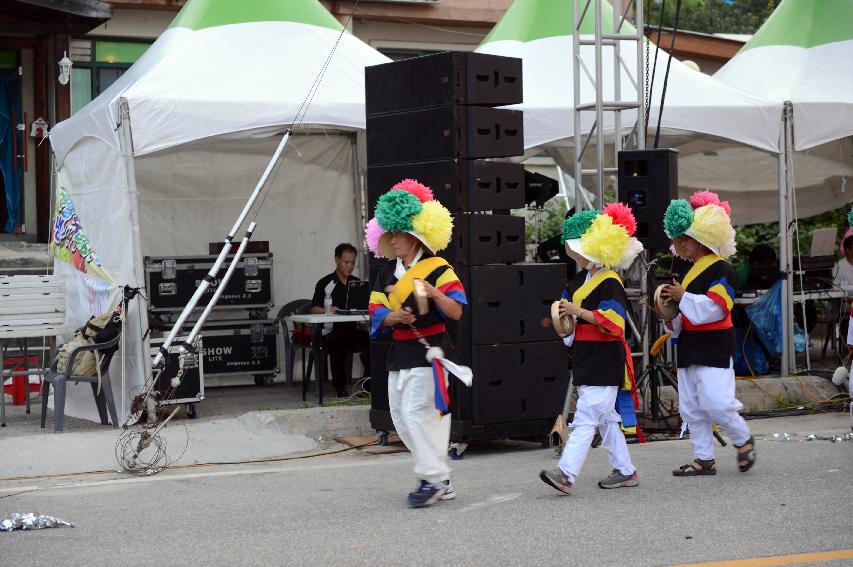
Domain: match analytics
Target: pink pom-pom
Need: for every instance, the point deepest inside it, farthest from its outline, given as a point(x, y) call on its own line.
point(705, 197)
point(621, 215)
point(372, 233)
point(416, 188)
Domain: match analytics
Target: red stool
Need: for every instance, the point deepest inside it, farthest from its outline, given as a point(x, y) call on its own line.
point(19, 383)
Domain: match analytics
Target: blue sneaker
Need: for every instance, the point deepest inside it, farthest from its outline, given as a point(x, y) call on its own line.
point(426, 494)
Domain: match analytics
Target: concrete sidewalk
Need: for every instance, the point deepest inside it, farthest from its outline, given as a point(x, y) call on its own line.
point(248, 422)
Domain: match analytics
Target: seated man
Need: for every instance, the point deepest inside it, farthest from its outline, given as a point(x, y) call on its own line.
point(343, 337)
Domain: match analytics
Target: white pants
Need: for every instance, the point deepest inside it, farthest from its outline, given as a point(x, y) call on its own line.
point(411, 397)
point(596, 408)
point(706, 395)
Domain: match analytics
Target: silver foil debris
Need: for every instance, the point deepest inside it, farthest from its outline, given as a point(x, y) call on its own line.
point(811, 437)
point(32, 521)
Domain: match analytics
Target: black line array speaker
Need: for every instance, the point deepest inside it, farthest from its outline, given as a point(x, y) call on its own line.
point(443, 79)
point(446, 132)
point(485, 239)
point(648, 181)
point(458, 184)
point(508, 303)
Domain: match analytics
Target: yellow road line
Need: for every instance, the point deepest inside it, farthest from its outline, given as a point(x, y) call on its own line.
point(779, 559)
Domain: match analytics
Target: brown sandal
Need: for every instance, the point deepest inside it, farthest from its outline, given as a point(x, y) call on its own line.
point(704, 468)
point(746, 458)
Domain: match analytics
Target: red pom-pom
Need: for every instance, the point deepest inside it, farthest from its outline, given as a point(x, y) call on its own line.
point(705, 197)
point(416, 188)
point(621, 215)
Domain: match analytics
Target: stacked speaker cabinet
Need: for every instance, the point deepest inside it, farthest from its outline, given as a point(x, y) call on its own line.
point(433, 119)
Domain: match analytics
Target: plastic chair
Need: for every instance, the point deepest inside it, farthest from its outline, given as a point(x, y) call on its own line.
point(104, 400)
point(291, 340)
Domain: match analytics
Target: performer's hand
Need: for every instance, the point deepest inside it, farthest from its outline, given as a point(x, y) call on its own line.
point(405, 316)
point(673, 292)
point(569, 308)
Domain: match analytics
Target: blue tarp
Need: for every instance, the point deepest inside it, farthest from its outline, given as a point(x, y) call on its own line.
point(9, 102)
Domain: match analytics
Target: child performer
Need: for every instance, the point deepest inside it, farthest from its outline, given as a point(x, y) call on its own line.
point(601, 359)
point(411, 226)
point(702, 233)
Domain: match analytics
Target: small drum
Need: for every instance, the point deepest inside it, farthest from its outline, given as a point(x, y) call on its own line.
point(666, 310)
point(565, 325)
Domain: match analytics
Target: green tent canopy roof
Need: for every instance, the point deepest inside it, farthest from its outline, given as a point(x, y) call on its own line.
point(527, 20)
point(201, 14)
point(806, 23)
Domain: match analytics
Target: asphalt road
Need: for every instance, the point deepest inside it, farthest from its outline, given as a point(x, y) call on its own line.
point(349, 509)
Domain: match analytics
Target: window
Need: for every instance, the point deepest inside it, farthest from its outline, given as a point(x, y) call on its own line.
point(98, 64)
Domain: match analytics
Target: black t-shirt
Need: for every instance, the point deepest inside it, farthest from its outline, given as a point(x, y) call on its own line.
point(339, 294)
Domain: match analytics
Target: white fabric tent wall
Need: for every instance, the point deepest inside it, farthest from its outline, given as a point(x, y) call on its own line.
point(190, 195)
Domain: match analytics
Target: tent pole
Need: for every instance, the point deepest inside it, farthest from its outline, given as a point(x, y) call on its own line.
point(787, 364)
point(788, 122)
point(126, 143)
point(360, 208)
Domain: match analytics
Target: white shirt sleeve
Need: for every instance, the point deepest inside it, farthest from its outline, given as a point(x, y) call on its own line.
point(570, 340)
point(701, 309)
point(850, 332)
point(674, 326)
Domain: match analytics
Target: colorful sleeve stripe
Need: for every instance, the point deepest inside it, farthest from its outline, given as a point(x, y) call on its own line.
point(377, 316)
point(447, 277)
point(610, 316)
point(379, 309)
point(455, 291)
point(722, 293)
point(566, 296)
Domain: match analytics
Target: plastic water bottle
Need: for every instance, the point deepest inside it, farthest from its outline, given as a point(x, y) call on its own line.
point(327, 303)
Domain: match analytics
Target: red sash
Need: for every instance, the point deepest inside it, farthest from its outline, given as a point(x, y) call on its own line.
point(409, 334)
point(722, 324)
point(592, 333)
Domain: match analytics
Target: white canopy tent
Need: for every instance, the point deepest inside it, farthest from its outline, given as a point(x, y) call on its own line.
point(729, 140)
point(162, 162)
point(803, 56)
point(700, 113)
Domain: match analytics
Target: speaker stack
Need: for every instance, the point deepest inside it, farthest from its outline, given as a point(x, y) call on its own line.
point(431, 118)
point(648, 181)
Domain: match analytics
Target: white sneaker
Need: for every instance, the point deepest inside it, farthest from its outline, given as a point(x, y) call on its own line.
point(450, 493)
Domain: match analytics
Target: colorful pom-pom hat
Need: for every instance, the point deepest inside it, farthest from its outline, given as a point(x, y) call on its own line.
point(605, 237)
point(704, 218)
point(408, 207)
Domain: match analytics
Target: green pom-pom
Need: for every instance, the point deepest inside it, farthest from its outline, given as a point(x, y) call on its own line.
point(678, 218)
point(850, 217)
point(577, 224)
point(395, 210)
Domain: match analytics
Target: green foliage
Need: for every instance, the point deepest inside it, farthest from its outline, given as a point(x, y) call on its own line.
point(543, 225)
point(712, 16)
point(768, 233)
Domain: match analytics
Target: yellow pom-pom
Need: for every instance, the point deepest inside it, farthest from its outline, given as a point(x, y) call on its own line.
point(434, 224)
point(605, 241)
point(713, 228)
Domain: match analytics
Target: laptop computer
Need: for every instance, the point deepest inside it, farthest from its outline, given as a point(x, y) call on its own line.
point(358, 297)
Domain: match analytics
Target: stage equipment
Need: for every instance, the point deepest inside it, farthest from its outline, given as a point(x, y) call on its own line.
point(446, 132)
point(648, 181)
point(443, 79)
point(485, 239)
point(172, 281)
point(539, 188)
point(185, 368)
point(461, 185)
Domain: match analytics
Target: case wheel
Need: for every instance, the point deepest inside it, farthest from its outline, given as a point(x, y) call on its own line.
point(383, 438)
point(265, 380)
point(457, 451)
point(192, 411)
